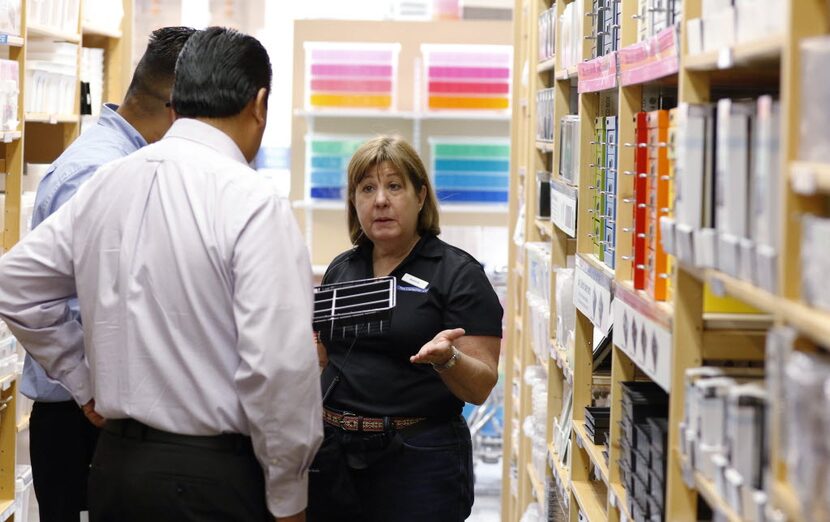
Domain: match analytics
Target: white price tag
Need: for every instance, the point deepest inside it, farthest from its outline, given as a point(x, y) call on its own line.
point(53, 119)
point(725, 58)
point(804, 180)
point(7, 137)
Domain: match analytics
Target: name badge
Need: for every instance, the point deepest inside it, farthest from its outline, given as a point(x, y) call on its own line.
point(414, 281)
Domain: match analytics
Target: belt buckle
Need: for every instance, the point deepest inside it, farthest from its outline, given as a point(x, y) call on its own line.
point(344, 416)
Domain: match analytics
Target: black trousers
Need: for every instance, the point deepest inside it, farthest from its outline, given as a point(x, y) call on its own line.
point(143, 475)
point(61, 444)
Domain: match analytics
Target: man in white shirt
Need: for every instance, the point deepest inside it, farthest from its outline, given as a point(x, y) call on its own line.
point(195, 288)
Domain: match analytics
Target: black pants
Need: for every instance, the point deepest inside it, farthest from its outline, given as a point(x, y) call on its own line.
point(61, 444)
point(427, 477)
point(148, 476)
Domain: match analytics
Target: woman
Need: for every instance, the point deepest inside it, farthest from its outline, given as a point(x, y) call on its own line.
point(396, 447)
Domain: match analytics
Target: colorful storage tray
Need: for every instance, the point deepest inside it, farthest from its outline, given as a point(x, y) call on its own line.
point(351, 76)
point(327, 160)
point(475, 170)
point(468, 77)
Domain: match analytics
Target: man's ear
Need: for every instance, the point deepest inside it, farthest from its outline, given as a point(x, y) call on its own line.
point(261, 106)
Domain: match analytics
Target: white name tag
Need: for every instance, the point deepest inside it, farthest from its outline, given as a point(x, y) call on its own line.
point(414, 281)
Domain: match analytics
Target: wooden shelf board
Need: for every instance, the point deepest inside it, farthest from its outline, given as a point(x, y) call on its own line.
point(542, 363)
point(764, 50)
point(545, 227)
point(546, 65)
point(592, 498)
point(808, 178)
point(92, 29)
point(785, 499)
point(8, 137)
point(23, 425)
point(405, 115)
point(42, 117)
point(566, 74)
point(538, 486)
point(544, 146)
point(599, 265)
point(562, 363)
point(707, 490)
point(51, 32)
point(594, 452)
point(7, 509)
point(622, 500)
point(661, 311)
point(559, 469)
point(812, 322)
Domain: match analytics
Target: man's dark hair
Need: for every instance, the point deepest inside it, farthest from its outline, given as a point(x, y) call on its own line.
point(219, 72)
point(155, 71)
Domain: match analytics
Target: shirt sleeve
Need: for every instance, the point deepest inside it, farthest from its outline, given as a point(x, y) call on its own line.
point(278, 377)
point(472, 303)
point(37, 282)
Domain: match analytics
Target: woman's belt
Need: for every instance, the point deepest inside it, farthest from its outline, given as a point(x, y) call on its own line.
point(353, 422)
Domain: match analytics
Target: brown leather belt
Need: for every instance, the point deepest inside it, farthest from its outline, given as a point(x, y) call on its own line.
point(352, 422)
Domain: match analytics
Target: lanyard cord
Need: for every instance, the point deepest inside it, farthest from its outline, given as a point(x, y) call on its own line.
point(336, 379)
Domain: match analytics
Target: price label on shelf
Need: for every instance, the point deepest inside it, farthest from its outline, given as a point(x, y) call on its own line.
point(53, 119)
point(726, 58)
point(804, 180)
point(563, 201)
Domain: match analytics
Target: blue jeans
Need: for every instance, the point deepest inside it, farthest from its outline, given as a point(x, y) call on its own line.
point(426, 475)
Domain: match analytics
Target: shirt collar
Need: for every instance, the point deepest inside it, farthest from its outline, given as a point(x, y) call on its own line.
point(428, 246)
point(111, 119)
point(205, 134)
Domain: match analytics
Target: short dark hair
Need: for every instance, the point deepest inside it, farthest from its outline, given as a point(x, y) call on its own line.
point(218, 73)
point(155, 71)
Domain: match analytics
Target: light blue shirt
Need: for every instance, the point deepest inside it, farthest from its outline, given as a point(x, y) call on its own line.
point(111, 139)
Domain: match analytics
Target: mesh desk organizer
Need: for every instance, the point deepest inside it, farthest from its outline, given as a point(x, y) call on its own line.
point(354, 309)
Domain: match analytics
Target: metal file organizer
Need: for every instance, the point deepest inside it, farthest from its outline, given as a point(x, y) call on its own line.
point(355, 308)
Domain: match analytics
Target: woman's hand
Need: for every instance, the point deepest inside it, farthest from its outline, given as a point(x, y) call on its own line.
point(474, 373)
point(439, 350)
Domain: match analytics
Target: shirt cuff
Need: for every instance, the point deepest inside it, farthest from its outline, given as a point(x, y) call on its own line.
point(288, 498)
point(78, 383)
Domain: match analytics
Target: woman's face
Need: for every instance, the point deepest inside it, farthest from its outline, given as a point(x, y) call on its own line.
point(387, 205)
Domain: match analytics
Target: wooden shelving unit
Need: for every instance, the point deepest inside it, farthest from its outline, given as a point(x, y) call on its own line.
point(40, 139)
point(694, 337)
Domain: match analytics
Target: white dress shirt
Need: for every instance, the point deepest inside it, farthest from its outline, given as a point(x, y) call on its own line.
point(195, 291)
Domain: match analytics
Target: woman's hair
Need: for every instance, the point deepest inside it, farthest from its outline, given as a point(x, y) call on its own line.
point(401, 155)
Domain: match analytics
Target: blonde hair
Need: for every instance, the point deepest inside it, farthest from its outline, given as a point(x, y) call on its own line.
point(405, 160)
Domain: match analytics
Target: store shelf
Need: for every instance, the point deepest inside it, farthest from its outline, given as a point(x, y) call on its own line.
point(785, 499)
point(809, 178)
point(10, 136)
point(566, 74)
point(7, 509)
point(460, 115)
point(546, 65)
point(7, 381)
point(23, 425)
point(42, 117)
point(722, 284)
point(11, 40)
point(812, 322)
point(50, 32)
point(592, 498)
point(538, 486)
point(94, 30)
point(545, 227)
point(707, 490)
point(594, 452)
point(594, 261)
point(660, 311)
point(562, 363)
point(542, 363)
point(764, 50)
point(560, 470)
point(518, 323)
point(544, 146)
point(473, 208)
point(621, 502)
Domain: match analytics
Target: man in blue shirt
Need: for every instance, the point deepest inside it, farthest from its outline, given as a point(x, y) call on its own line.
point(62, 440)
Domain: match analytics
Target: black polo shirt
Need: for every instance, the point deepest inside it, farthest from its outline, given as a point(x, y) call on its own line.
point(377, 378)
